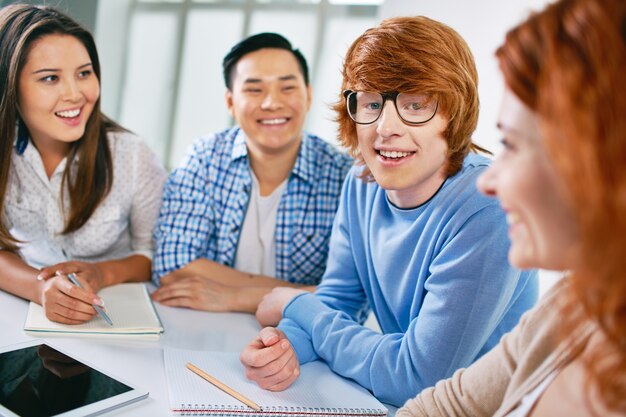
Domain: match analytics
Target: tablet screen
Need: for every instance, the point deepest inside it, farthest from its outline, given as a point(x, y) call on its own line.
point(41, 381)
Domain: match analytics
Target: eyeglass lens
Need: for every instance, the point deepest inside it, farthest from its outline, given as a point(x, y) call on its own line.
point(365, 107)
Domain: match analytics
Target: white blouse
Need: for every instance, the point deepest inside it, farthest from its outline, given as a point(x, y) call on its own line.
point(119, 227)
point(528, 402)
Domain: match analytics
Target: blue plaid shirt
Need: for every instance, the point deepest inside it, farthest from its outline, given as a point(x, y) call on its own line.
point(206, 199)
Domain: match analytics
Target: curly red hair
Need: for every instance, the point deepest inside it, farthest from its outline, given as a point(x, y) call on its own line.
point(568, 64)
point(415, 54)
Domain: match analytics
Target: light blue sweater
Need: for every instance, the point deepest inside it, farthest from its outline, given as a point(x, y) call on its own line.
point(436, 277)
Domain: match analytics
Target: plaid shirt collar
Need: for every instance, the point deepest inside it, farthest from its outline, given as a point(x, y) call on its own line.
point(305, 163)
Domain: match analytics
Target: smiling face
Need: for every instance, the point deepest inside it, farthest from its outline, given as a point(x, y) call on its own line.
point(57, 90)
point(542, 225)
point(409, 162)
point(269, 100)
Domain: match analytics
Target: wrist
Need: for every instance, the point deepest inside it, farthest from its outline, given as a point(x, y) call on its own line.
point(38, 289)
point(247, 299)
point(105, 276)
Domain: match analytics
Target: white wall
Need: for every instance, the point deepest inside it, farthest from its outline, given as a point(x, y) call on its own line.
point(111, 39)
point(483, 24)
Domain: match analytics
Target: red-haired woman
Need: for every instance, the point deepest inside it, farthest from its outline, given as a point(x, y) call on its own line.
point(562, 180)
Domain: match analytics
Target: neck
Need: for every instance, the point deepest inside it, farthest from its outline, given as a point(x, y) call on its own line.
point(272, 168)
point(52, 153)
point(416, 196)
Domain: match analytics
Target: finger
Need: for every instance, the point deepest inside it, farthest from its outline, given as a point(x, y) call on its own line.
point(274, 368)
point(287, 382)
point(174, 291)
point(72, 307)
point(60, 307)
point(248, 353)
point(46, 273)
point(75, 296)
point(68, 268)
point(61, 318)
point(169, 279)
point(69, 315)
point(270, 335)
point(282, 378)
point(262, 355)
point(177, 302)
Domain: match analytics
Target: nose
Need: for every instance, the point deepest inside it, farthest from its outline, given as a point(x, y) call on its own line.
point(389, 122)
point(272, 100)
point(487, 181)
point(71, 90)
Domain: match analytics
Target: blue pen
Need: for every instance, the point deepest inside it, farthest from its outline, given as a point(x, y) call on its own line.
point(100, 311)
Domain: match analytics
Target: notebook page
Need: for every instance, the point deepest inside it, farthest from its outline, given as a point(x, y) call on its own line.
point(317, 388)
point(128, 305)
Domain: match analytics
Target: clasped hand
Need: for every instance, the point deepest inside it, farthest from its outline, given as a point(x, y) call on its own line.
point(63, 301)
point(196, 292)
point(270, 360)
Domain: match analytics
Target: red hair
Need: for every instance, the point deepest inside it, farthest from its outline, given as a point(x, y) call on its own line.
point(568, 64)
point(415, 54)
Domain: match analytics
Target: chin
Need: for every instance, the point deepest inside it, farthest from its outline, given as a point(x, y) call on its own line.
point(385, 180)
point(522, 261)
point(386, 183)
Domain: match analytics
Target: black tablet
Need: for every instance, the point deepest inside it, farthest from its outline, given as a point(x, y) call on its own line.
point(38, 379)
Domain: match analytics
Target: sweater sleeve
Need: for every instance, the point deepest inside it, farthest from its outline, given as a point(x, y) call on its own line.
point(340, 291)
point(481, 389)
point(473, 392)
point(468, 292)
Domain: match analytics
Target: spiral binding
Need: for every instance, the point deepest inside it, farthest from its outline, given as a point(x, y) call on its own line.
point(279, 411)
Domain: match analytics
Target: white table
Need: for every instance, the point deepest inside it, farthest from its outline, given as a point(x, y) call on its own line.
point(141, 362)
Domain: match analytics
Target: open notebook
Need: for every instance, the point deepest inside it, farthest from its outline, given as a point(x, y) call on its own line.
point(128, 305)
point(317, 392)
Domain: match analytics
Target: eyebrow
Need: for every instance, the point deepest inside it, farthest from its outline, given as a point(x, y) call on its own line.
point(282, 78)
point(56, 69)
point(503, 127)
point(517, 132)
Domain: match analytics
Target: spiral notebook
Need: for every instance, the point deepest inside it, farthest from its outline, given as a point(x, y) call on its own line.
point(317, 392)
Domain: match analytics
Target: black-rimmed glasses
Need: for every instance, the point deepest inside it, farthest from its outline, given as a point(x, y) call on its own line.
point(365, 107)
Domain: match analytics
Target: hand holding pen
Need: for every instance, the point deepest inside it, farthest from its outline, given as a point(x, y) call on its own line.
point(65, 302)
point(99, 309)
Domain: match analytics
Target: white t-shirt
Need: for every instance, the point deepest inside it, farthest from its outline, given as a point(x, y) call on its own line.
point(256, 251)
point(120, 226)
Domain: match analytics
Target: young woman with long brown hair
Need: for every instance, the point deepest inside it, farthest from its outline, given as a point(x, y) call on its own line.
point(78, 193)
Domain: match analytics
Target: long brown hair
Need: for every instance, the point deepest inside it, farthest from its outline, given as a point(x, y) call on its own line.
point(568, 64)
point(20, 26)
point(415, 54)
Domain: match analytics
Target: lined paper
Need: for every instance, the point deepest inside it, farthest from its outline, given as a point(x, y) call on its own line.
point(317, 388)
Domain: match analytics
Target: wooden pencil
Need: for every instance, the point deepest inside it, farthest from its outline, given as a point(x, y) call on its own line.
point(228, 390)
